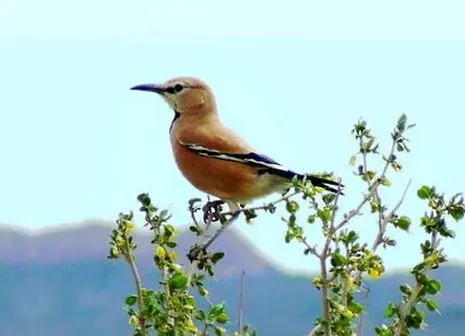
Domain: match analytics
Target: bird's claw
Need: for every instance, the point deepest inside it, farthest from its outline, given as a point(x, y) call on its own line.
point(212, 211)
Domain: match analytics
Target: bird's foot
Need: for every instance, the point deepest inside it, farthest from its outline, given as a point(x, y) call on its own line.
point(199, 252)
point(212, 211)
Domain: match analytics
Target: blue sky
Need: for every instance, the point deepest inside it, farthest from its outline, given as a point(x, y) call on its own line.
point(77, 144)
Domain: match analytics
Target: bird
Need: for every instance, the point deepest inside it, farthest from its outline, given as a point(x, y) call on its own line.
point(212, 157)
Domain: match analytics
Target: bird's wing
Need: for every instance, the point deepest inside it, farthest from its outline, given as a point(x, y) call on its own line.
point(225, 145)
point(251, 158)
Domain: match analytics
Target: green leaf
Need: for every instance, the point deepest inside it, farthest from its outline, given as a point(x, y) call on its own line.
point(457, 211)
point(222, 318)
point(405, 289)
point(383, 331)
point(328, 198)
point(217, 257)
point(368, 175)
point(431, 305)
point(210, 270)
point(385, 182)
point(144, 199)
point(169, 230)
point(374, 207)
point(203, 291)
point(216, 310)
point(201, 316)
point(403, 223)
point(338, 259)
point(396, 166)
point(292, 206)
point(352, 160)
point(425, 192)
point(219, 331)
point(422, 278)
point(402, 123)
point(164, 214)
point(355, 307)
point(433, 287)
point(178, 281)
point(325, 215)
point(249, 215)
point(131, 300)
point(415, 319)
point(288, 237)
point(390, 310)
point(193, 229)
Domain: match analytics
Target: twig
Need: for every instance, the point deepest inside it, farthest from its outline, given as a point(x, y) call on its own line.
point(241, 303)
point(333, 217)
point(265, 206)
point(314, 331)
point(372, 188)
point(325, 295)
point(223, 227)
point(200, 238)
point(234, 215)
point(385, 222)
point(330, 231)
point(128, 256)
point(192, 211)
point(361, 325)
point(405, 311)
point(383, 176)
point(323, 256)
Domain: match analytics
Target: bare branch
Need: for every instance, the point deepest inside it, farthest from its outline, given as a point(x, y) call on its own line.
point(129, 257)
point(385, 221)
point(241, 303)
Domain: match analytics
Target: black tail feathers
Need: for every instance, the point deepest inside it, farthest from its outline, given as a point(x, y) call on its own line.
point(326, 184)
point(316, 181)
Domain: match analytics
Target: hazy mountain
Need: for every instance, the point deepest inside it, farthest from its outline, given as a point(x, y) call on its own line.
point(60, 283)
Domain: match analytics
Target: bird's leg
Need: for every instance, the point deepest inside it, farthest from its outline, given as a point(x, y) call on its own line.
point(198, 250)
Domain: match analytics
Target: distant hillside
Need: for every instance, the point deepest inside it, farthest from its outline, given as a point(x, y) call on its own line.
point(60, 283)
point(89, 241)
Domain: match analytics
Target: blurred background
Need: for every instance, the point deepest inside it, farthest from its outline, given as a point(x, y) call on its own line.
point(292, 78)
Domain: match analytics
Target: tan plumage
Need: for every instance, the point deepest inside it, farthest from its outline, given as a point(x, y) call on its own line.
point(212, 157)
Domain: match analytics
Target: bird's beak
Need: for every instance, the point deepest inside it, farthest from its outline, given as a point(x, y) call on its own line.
point(149, 87)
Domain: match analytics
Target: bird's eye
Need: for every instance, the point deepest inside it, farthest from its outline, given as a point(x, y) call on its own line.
point(174, 89)
point(170, 89)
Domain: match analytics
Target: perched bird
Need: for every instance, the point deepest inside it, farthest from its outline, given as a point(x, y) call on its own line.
point(211, 156)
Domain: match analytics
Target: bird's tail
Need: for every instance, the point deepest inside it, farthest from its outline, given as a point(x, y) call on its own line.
point(316, 181)
point(326, 184)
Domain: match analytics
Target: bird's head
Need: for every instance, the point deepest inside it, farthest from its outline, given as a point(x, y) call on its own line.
point(184, 94)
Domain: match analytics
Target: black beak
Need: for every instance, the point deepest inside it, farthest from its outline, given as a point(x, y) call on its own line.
point(149, 87)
